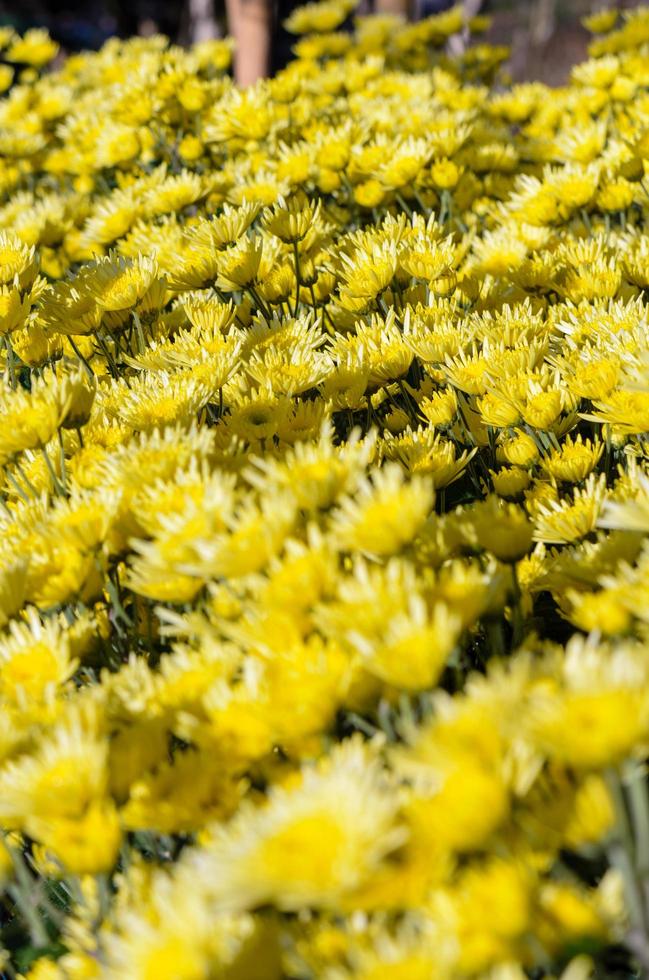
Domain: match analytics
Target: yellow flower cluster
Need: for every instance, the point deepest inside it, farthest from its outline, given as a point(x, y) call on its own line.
point(324, 449)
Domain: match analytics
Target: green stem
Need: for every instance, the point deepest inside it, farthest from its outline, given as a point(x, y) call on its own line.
point(107, 354)
point(362, 724)
point(122, 619)
point(368, 415)
point(425, 211)
point(103, 893)
point(444, 207)
point(73, 345)
point(517, 611)
point(28, 483)
point(56, 483)
point(638, 796)
point(382, 305)
point(296, 254)
point(64, 477)
point(10, 361)
point(141, 343)
point(404, 204)
point(149, 629)
point(327, 317)
point(410, 404)
point(621, 852)
point(260, 304)
point(495, 637)
point(24, 893)
point(17, 486)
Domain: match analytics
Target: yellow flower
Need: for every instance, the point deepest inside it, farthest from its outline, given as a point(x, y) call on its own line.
point(18, 262)
point(510, 482)
point(6, 77)
point(34, 660)
point(369, 193)
point(14, 308)
point(630, 515)
point(502, 529)
point(77, 396)
point(385, 513)
point(440, 408)
point(414, 647)
point(593, 812)
point(316, 473)
point(600, 699)
point(310, 844)
point(570, 914)
point(182, 796)
point(291, 221)
point(606, 610)
point(319, 17)
point(616, 195)
point(574, 461)
point(366, 274)
point(64, 776)
point(601, 22)
point(13, 580)
point(239, 264)
point(116, 283)
point(253, 535)
point(259, 714)
point(498, 411)
point(595, 379)
point(160, 400)
point(503, 887)
point(445, 174)
point(562, 521)
point(542, 410)
point(35, 48)
point(190, 148)
point(28, 421)
point(118, 144)
point(461, 808)
point(84, 845)
point(424, 451)
point(626, 411)
point(519, 449)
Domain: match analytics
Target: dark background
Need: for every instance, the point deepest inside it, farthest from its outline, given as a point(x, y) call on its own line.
point(545, 35)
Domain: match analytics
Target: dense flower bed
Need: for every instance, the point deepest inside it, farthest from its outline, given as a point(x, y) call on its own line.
point(324, 576)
